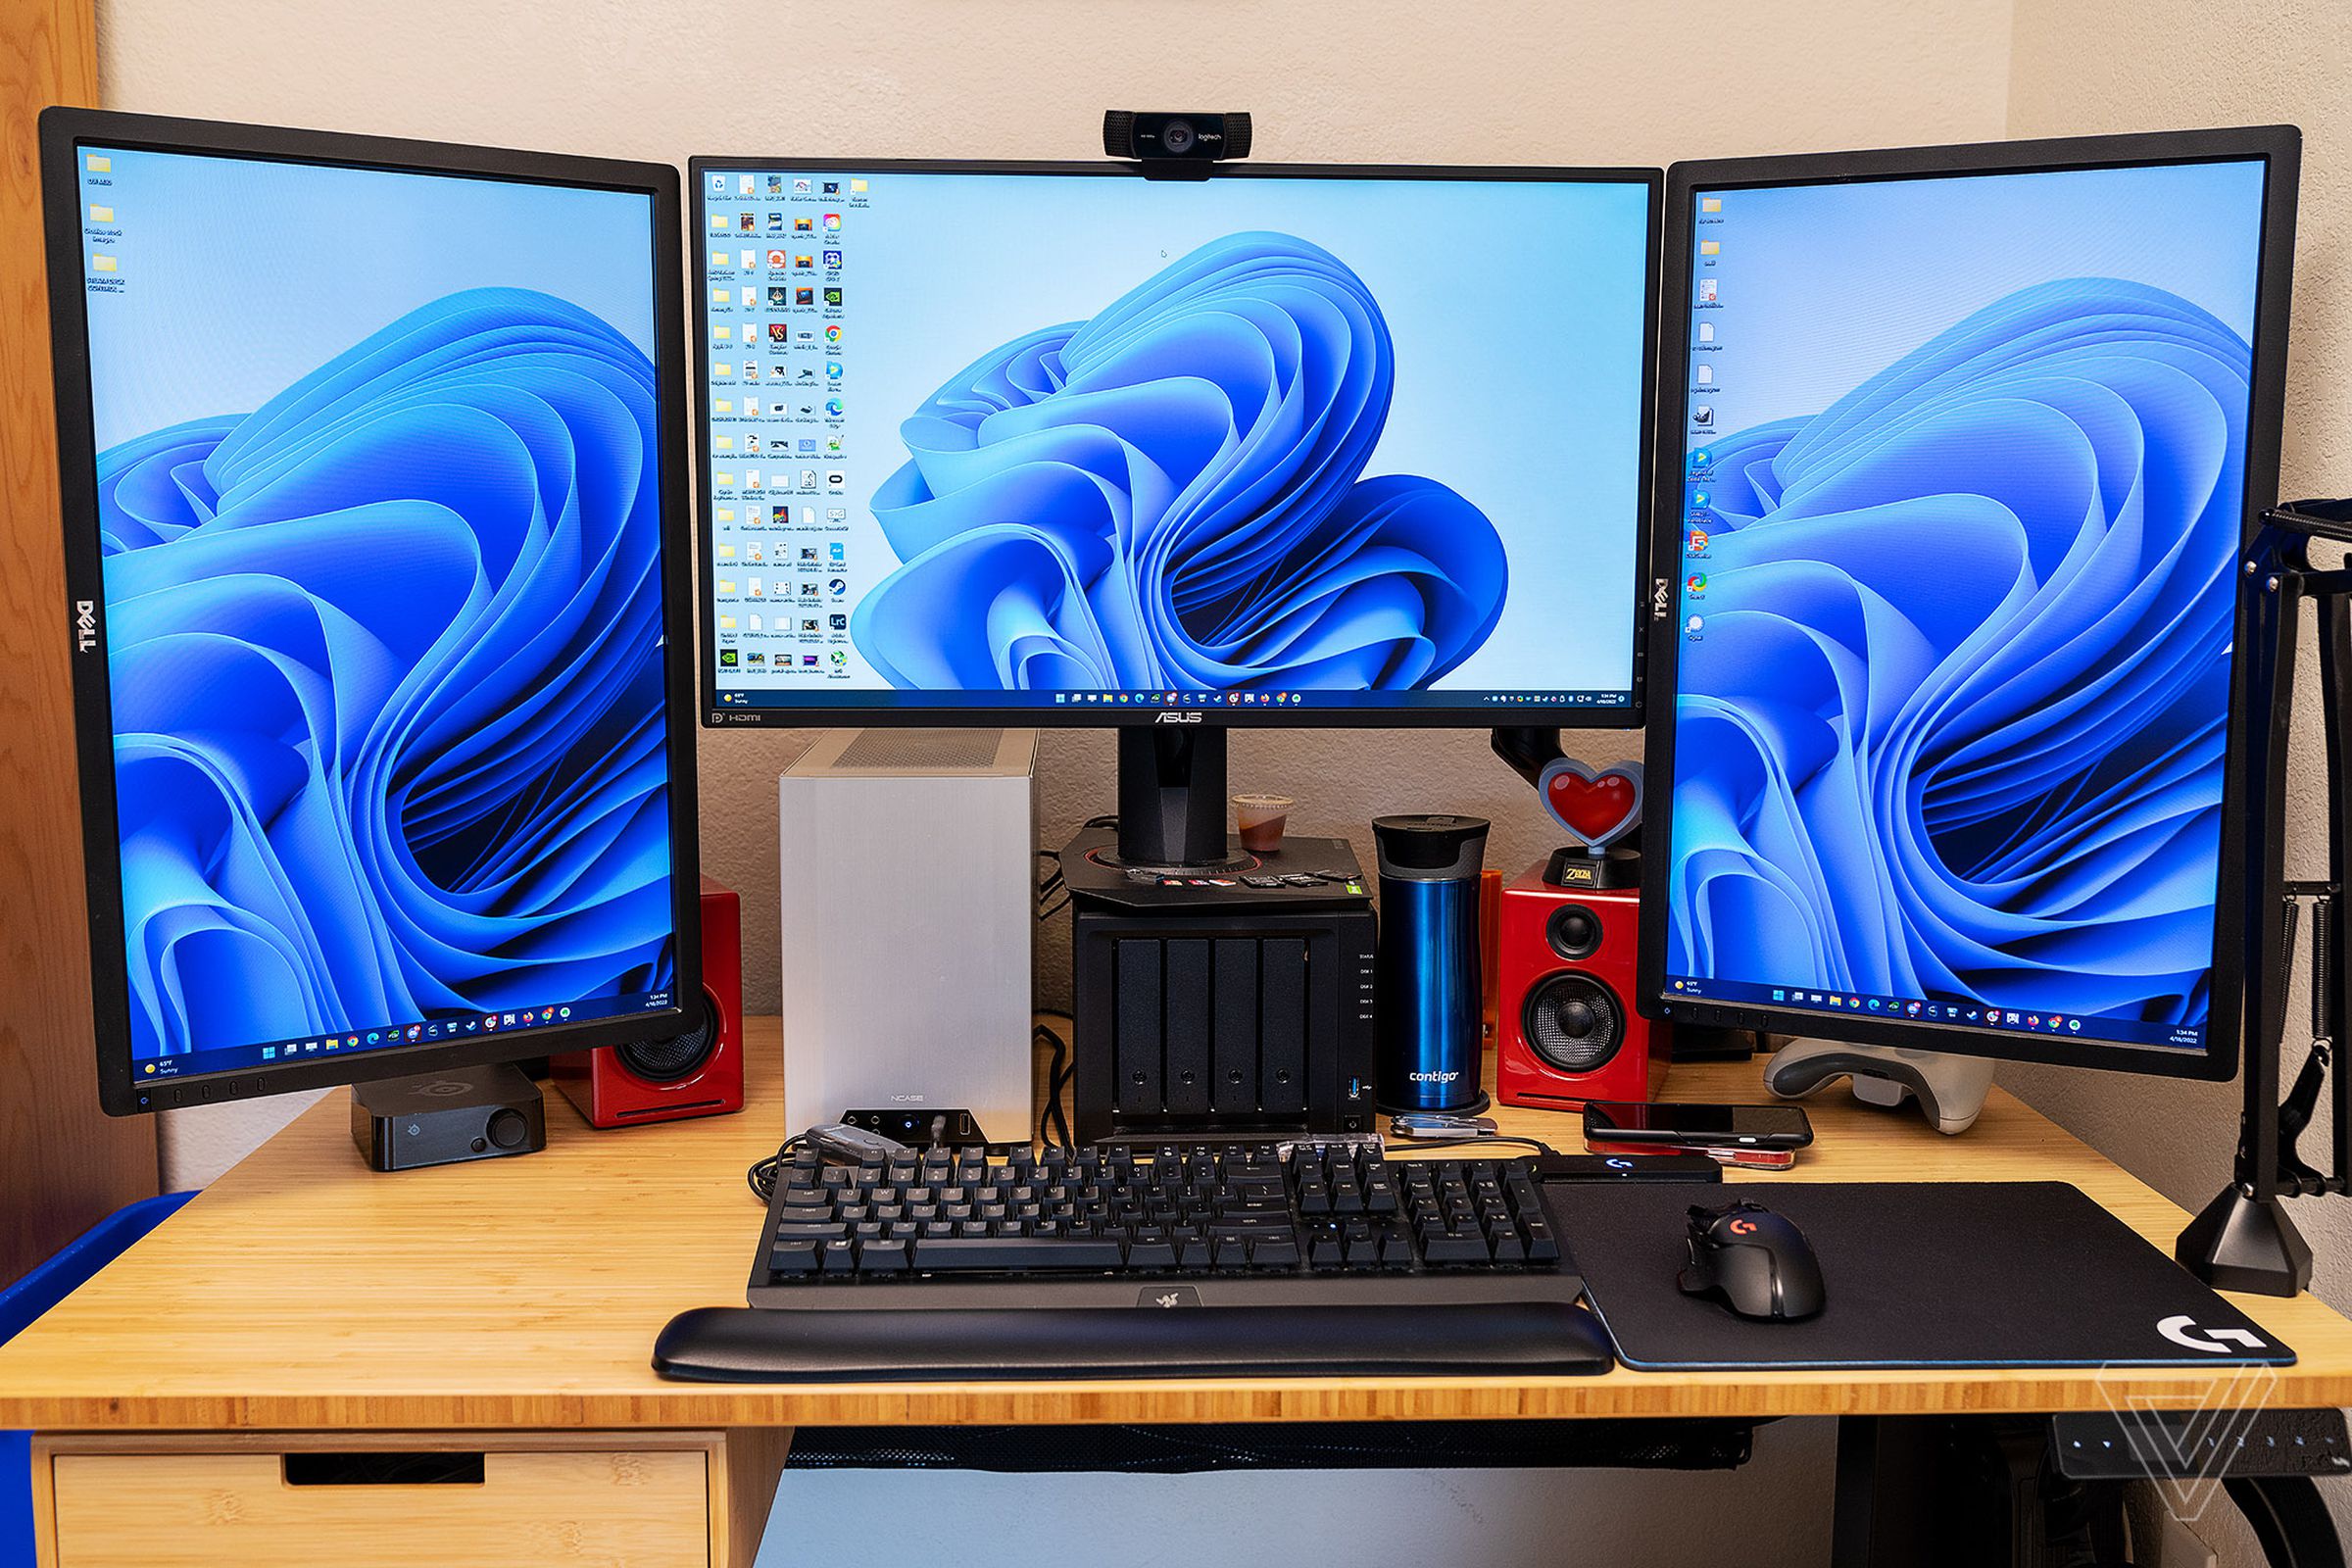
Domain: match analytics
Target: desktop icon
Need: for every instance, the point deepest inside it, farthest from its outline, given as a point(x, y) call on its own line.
point(1696, 583)
point(1710, 203)
point(832, 296)
point(1709, 247)
point(832, 223)
point(1703, 415)
point(1706, 291)
point(833, 332)
point(832, 258)
point(833, 406)
point(1698, 541)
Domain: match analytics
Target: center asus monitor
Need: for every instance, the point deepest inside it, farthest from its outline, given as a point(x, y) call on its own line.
point(1957, 451)
point(376, 525)
point(1033, 444)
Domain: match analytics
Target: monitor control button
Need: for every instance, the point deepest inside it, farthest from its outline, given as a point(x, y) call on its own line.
point(509, 1128)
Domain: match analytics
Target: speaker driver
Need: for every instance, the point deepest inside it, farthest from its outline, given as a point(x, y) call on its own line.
point(1573, 1022)
point(665, 1061)
point(1573, 931)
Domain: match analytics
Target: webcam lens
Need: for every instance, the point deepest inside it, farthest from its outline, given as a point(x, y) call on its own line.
point(1177, 137)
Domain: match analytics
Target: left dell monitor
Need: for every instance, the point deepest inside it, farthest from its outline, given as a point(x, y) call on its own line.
point(378, 554)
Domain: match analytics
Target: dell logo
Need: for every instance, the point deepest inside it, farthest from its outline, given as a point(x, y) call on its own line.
point(1661, 600)
point(85, 625)
point(2183, 1332)
point(1176, 717)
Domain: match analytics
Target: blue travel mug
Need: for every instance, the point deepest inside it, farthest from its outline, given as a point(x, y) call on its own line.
point(1431, 997)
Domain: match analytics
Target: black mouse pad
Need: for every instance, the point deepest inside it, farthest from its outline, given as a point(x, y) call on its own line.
point(1915, 1274)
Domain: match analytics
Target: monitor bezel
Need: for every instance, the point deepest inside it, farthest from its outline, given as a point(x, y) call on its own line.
point(64, 133)
point(792, 715)
point(2278, 149)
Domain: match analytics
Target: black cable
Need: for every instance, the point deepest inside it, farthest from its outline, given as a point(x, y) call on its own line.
point(1059, 1071)
point(2289, 1519)
point(763, 1174)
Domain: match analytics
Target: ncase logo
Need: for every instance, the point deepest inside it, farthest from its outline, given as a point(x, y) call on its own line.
point(85, 625)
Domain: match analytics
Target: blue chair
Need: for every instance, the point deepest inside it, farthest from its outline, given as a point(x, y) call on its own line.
point(27, 1300)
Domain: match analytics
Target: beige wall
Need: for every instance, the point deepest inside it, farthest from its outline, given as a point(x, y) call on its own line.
point(2079, 67)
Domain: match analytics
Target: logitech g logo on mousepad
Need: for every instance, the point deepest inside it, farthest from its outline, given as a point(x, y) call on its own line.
point(1914, 1274)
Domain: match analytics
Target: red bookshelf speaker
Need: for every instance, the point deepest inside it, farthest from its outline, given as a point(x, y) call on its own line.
point(699, 1073)
point(1565, 1004)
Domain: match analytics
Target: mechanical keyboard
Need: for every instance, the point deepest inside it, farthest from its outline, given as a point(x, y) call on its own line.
point(1234, 1223)
point(1320, 1257)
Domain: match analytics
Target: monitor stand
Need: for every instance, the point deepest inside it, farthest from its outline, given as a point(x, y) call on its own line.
point(1172, 800)
point(1950, 1089)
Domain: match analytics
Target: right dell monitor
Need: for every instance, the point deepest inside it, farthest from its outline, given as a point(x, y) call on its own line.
point(1958, 449)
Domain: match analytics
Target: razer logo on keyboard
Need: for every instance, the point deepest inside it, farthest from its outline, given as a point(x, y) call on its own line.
point(1169, 1296)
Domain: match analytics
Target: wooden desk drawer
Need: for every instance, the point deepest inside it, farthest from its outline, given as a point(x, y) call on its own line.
point(635, 1507)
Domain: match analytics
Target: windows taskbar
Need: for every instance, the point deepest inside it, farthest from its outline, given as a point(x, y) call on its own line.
point(442, 1030)
point(797, 696)
point(1965, 1011)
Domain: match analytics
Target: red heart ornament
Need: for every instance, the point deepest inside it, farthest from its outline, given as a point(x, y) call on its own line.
point(1598, 806)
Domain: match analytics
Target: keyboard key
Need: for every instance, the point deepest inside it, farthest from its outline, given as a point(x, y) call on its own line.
point(1467, 1247)
point(1013, 1253)
point(884, 1257)
point(1159, 1254)
point(793, 1258)
point(817, 1230)
point(1274, 1252)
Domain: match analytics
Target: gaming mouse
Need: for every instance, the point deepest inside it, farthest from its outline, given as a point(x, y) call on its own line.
point(1756, 1263)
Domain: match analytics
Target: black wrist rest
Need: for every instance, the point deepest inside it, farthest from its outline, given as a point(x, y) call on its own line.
point(751, 1344)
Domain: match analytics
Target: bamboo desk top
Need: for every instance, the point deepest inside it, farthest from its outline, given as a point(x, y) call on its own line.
point(301, 1292)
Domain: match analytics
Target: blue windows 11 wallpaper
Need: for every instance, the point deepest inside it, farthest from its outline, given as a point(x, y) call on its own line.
point(379, 515)
point(1966, 476)
point(1052, 438)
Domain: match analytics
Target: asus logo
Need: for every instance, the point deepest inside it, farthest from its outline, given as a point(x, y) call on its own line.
point(85, 625)
point(1186, 716)
point(1661, 600)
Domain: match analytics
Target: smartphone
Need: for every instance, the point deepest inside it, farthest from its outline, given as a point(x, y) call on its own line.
point(1637, 1123)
